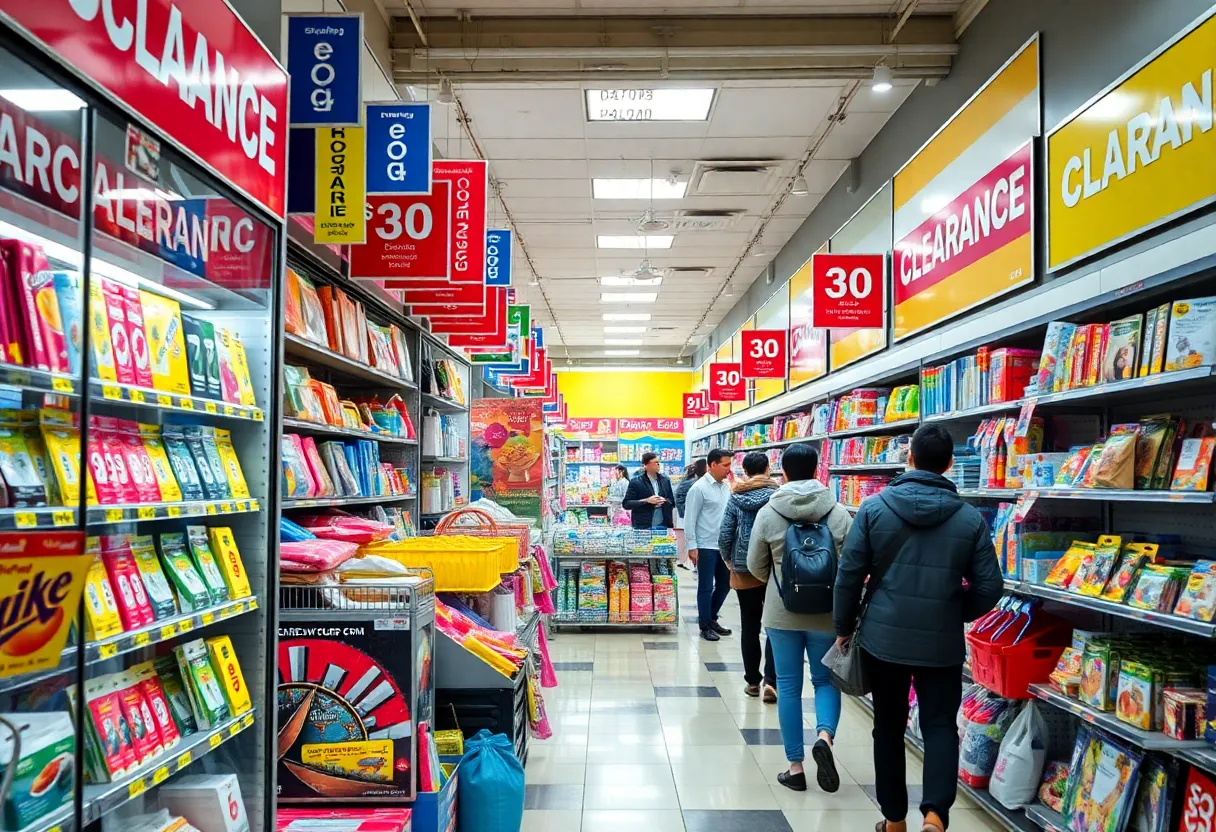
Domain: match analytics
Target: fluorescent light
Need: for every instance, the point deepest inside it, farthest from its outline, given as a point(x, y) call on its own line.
point(628, 297)
point(624, 330)
point(43, 101)
point(622, 353)
point(649, 104)
point(637, 189)
point(626, 280)
point(882, 79)
point(623, 342)
point(626, 316)
point(634, 241)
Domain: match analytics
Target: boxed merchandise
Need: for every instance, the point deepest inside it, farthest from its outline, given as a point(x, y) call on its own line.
point(1194, 464)
point(223, 659)
point(1122, 349)
point(202, 357)
point(206, 696)
point(43, 775)
point(1138, 687)
point(100, 344)
point(1192, 334)
point(1184, 710)
point(167, 343)
point(133, 605)
point(212, 802)
point(223, 546)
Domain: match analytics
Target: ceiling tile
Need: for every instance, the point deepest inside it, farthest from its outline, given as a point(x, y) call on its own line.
point(770, 112)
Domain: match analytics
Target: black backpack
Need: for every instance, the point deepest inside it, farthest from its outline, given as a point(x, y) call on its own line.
point(808, 567)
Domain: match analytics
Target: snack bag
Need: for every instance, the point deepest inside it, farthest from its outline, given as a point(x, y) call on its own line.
point(231, 464)
point(191, 591)
point(204, 562)
point(167, 343)
point(1094, 579)
point(101, 620)
point(1198, 599)
point(1067, 567)
point(133, 605)
point(223, 545)
point(160, 596)
point(1116, 467)
point(162, 469)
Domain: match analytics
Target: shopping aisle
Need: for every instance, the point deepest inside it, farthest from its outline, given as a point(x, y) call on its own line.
point(653, 731)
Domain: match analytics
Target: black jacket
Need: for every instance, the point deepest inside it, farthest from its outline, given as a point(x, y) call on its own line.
point(917, 613)
point(682, 493)
point(641, 513)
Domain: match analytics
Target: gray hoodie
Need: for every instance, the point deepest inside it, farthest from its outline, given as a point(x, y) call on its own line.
point(799, 500)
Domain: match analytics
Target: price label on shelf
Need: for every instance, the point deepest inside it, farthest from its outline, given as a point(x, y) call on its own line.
point(229, 410)
point(146, 513)
point(254, 505)
point(225, 508)
point(61, 385)
point(186, 759)
point(25, 519)
point(113, 515)
point(174, 511)
point(209, 407)
point(65, 517)
point(142, 640)
point(258, 415)
point(215, 740)
point(208, 618)
point(185, 626)
point(164, 400)
point(185, 403)
point(211, 509)
point(109, 391)
point(107, 651)
point(247, 721)
point(234, 729)
point(168, 631)
point(238, 608)
point(136, 396)
point(136, 788)
point(160, 775)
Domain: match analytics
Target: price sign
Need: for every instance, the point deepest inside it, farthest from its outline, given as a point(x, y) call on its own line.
point(692, 406)
point(848, 291)
point(726, 383)
point(765, 353)
point(408, 239)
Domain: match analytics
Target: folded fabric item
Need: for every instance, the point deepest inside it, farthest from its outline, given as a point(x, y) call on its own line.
point(345, 527)
point(314, 555)
point(290, 531)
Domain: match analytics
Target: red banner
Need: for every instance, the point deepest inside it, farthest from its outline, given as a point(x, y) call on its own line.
point(765, 353)
point(489, 329)
point(540, 368)
point(468, 217)
point(693, 408)
point(445, 293)
point(454, 309)
point(726, 383)
point(605, 428)
point(407, 240)
point(645, 426)
point(156, 56)
point(848, 290)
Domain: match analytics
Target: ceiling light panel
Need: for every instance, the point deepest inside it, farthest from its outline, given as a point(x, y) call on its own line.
point(649, 104)
point(624, 330)
point(623, 342)
point(633, 241)
point(637, 189)
point(628, 297)
point(626, 316)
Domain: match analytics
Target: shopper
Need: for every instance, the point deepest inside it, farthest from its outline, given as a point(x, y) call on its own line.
point(691, 474)
point(616, 491)
point(802, 499)
point(649, 498)
point(931, 567)
point(748, 497)
point(706, 503)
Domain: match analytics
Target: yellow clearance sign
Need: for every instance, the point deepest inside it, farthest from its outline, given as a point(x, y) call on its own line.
point(1139, 154)
point(341, 186)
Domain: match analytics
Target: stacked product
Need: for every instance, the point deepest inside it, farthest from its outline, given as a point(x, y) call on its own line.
point(588, 484)
point(338, 469)
point(440, 490)
point(592, 592)
point(441, 377)
point(443, 435)
point(852, 489)
point(866, 450)
point(991, 376)
point(327, 317)
point(587, 452)
point(617, 592)
point(309, 400)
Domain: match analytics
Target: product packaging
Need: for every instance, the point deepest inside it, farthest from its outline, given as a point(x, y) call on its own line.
point(182, 462)
point(160, 595)
point(145, 738)
point(174, 685)
point(111, 732)
point(43, 778)
point(134, 608)
point(70, 294)
point(201, 443)
point(141, 358)
point(232, 464)
point(167, 343)
point(206, 695)
point(192, 592)
point(1198, 599)
point(162, 469)
point(202, 358)
point(100, 345)
point(25, 487)
point(223, 545)
point(204, 562)
point(102, 620)
point(224, 660)
point(1192, 334)
point(212, 802)
point(120, 334)
point(1194, 464)
point(138, 463)
point(1122, 349)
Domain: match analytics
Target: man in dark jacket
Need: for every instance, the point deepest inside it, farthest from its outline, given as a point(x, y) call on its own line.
point(930, 542)
point(649, 498)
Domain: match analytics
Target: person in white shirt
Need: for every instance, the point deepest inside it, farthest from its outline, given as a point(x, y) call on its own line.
point(616, 492)
point(706, 503)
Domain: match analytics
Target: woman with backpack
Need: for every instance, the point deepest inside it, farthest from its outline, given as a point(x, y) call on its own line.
point(796, 542)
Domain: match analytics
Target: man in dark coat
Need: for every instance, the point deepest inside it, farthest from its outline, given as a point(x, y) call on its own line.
point(930, 541)
point(649, 498)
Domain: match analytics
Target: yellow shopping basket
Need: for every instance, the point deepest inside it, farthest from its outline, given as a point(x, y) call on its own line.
point(484, 525)
point(460, 563)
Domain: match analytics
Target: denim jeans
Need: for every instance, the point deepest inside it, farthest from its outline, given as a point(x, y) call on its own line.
point(788, 649)
point(713, 585)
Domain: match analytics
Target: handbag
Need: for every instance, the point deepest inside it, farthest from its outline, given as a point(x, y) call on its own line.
point(845, 664)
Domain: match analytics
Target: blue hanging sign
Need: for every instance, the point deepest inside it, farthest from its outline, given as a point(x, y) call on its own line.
point(325, 62)
point(498, 256)
point(302, 171)
point(398, 149)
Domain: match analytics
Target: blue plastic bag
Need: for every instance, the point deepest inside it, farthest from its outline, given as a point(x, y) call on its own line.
point(491, 785)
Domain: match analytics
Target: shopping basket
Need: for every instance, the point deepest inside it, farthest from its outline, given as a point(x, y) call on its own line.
point(1008, 662)
point(460, 563)
point(477, 523)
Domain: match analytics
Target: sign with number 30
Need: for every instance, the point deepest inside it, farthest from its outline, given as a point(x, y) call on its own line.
point(848, 291)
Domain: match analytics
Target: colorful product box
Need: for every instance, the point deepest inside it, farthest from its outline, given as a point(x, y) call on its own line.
point(141, 358)
point(100, 345)
point(43, 774)
point(203, 357)
point(120, 333)
point(224, 660)
point(223, 545)
point(167, 343)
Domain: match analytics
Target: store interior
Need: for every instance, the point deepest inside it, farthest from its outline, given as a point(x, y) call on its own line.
point(342, 343)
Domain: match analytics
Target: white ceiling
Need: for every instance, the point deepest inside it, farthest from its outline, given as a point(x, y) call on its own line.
point(485, 8)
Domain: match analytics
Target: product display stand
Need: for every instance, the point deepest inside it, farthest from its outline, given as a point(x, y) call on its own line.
point(615, 577)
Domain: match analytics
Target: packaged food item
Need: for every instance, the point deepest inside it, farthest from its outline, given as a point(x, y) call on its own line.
point(101, 620)
point(1148, 449)
point(1136, 694)
point(138, 464)
point(1194, 464)
point(201, 443)
point(192, 592)
point(1133, 557)
point(170, 677)
point(1151, 812)
point(141, 359)
point(223, 545)
point(293, 311)
point(144, 675)
point(1155, 588)
point(240, 369)
point(182, 462)
point(167, 342)
point(1067, 675)
point(1099, 336)
point(160, 595)
point(206, 696)
point(204, 562)
point(120, 335)
point(231, 464)
point(1122, 349)
point(162, 469)
point(1094, 580)
point(1170, 447)
point(1184, 713)
point(1192, 334)
point(122, 479)
point(25, 488)
point(1157, 356)
point(145, 738)
point(228, 382)
point(1104, 789)
point(1198, 599)
point(224, 660)
point(100, 346)
point(1054, 784)
point(202, 358)
point(43, 773)
point(70, 294)
point(134, 608)
point(1097, 681)
point(110, 730)
point(1066, 568)
point(1073, 467)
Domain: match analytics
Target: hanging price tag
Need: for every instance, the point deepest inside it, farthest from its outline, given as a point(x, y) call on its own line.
point(726, 383)
point(765, 353)
point(848, 291)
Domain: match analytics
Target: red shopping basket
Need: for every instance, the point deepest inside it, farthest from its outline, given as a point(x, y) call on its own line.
point(1008, 669)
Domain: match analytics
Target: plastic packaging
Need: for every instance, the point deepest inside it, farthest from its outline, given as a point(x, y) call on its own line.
point(1019, 764)
point(314, 555)
point(491, 785)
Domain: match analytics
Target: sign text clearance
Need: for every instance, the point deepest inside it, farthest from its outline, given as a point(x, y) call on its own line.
point(726, 382)
point(407, 240)
point(468, 225)
point(848, 290)
point(194, 70)
point(764, 353)
point(1138, 155)
point(341, 186)
point(975, 248)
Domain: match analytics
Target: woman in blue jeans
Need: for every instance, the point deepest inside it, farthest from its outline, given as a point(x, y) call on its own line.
point(801, 498)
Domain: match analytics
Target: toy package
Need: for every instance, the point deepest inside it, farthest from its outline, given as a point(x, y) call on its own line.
point(1157, 588)
point(1154, 796)
point(1098, 677)
point(1131, 560)
point(1104, 787)
point(167, 343)
point(1192, 334)
point(1194, 464)
point(1051, 363)
point(1138, 687)
point(1198, 599)
point(1067, 567)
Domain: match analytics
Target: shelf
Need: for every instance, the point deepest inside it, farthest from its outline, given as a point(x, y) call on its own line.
point(874, 466)
point(618, 625)
point(453, 460)
point(129, 394)
point(973, 412)
point(321, 502)
point(586, 505)
point(613, 464)
point(301, 349)
point(598, 557)
point(1148, 740)
point(442, 404)
point(1046, 818)
point(1204, 758)
point(39, 381)
point(166, 630)
point(1115, 495)
point(50, 517)
point(102, 798)
point(1206, 629)
point(780, 443)
point(457, 667)
point(885, 427)
point(314, 429)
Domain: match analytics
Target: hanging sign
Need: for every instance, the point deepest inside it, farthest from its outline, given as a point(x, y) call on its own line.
point(808, 345)
point(302, 175)
point(407, 240)
point(455, 308)
point(848, 290)
point(325, 62)
point(457, 296)
point(151, 56)
point(341, 190)
point(468, 217)
point(765, 353)
point(726, 383)
point(488, 330)
point(694, 408)
point(518, 321)
point(498, 257)
point(399, 148)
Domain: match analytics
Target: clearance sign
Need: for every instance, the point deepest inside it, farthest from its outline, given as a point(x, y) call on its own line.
point(963, 225)
point(1137, 155)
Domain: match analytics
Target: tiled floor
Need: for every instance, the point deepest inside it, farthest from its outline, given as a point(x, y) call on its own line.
point(653, 731)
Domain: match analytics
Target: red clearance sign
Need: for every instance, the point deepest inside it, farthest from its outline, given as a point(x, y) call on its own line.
point(692, 406)
point(848, 290)
point(765, 353)
point(194, 70)
point(492, 322)
point(407, 240)
point(468, 217)
point(726, 383)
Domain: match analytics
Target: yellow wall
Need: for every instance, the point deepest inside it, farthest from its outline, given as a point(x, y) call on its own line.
point(638, 394)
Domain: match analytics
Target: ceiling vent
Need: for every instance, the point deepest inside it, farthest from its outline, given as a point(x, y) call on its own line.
point(700, 272)
point(706, 220)
point(729, 177)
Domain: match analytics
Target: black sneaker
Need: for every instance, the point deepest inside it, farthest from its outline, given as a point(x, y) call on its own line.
point(719, 629)
point(708, 634)
point(795, 782)
point(825, 763)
